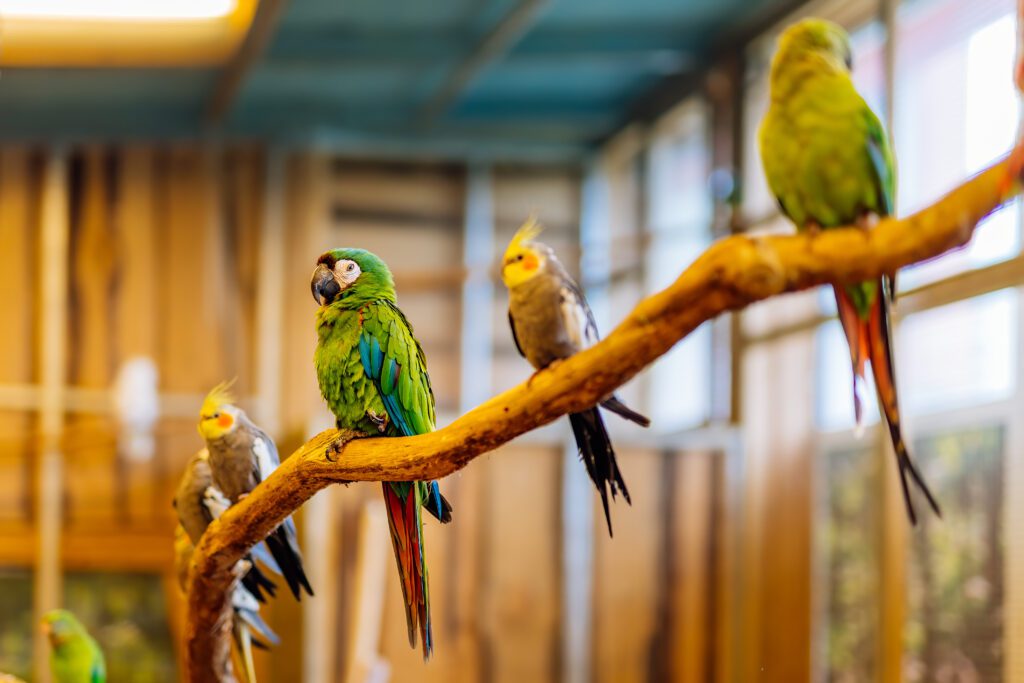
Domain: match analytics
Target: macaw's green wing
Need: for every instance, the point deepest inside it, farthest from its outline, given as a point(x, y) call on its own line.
point(394, 361)
point(883, 164)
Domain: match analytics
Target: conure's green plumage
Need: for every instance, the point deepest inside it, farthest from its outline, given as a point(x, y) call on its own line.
point(828, 162)
point(373, 375)
point(74, 656)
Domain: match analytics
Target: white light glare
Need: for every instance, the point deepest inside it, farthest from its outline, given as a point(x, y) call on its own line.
point(116, 10)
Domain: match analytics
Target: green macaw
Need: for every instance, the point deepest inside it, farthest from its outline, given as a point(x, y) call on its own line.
point(829, 164)
point(75, 657)
point(373, 375)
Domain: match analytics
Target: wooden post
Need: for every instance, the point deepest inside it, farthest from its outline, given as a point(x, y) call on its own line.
point(372, 566)
point(53, 285)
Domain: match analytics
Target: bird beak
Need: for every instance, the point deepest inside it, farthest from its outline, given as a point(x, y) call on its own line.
point(324, 286)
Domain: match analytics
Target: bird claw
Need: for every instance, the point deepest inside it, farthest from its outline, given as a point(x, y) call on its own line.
point(380, 421)
point(335, 448)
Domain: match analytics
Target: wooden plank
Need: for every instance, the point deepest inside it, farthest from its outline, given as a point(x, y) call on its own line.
point(691, 588)
point(627, 577)
point(246, 195)
point(17, 354)
point(553, 193)
point(53, 286)
point(424, 190)
point(139, 270)
point(194, 291)
point(90, 451)
point(373, 560)
point(521, 587)
point(114, 550)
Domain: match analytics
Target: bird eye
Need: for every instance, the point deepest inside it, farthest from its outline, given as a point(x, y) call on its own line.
point(216, 415)
point(519, 257)
point(350, 267)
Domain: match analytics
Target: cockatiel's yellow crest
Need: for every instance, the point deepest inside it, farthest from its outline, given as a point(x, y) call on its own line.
point(218, 415)
point(522, 257)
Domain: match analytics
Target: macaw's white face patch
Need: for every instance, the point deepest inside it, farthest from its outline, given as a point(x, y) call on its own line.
point(346, 272)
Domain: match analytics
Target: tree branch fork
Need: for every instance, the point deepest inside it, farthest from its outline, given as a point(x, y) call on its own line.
point(733, 273)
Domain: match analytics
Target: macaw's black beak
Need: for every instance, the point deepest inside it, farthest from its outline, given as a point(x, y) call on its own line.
point(323, 285)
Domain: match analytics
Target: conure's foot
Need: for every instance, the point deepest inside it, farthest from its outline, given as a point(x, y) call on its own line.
point(335, 448)
point(380, 421)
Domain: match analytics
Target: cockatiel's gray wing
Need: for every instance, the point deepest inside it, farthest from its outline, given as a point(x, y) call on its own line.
point(198, 502)
point(581, 327)
point(282, 542)
point(577, 317)
point(189, 497)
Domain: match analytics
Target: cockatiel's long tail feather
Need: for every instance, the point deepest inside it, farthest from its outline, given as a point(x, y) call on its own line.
point(613, 404)
point(285, 549)
point(870, 340)
point(407, 537)
point(243, 644)
point(598, 456)
point(256, 582)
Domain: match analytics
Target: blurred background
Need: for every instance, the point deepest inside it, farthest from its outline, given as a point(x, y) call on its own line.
point(170, 170)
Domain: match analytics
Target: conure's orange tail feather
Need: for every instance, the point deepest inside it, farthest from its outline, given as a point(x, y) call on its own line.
point(407, 537)
point(873, 342)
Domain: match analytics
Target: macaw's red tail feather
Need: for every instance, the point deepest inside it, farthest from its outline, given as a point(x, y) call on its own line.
point(877, 332)
point(407, 537)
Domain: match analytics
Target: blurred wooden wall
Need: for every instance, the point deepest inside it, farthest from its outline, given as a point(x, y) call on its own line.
point(167, 260)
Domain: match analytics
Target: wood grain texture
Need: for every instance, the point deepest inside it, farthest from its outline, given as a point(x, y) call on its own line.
point(18, 194)
point(731, 274)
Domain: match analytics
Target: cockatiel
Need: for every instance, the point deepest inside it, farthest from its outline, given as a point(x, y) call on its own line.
point(75, 657)
point(197, 503)
point(373, 375)
point(550, 321)
point(829, 164)
point(241, 456)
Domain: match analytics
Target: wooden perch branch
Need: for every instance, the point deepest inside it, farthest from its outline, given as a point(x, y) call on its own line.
point(730, 275)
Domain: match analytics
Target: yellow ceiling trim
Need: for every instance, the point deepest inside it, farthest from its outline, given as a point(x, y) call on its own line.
point(44, 42)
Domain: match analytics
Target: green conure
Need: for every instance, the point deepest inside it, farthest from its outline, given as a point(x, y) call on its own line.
point(75, 657)
point(829, 164)
point(373, 375)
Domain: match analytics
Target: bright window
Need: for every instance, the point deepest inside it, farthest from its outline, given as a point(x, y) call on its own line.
point(959, 355)
point(954, 85)
point(679, 230)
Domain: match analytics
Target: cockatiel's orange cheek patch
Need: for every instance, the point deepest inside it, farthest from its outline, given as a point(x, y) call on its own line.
point(224, 421)
point(530, 262)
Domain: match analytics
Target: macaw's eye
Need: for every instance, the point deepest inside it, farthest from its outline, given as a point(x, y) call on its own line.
point(351, 267)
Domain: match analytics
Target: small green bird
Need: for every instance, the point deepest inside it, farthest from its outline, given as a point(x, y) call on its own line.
point(241, 456)
point(373, 375)
point(75, 657)
point(829, 164)
point(550, 321)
